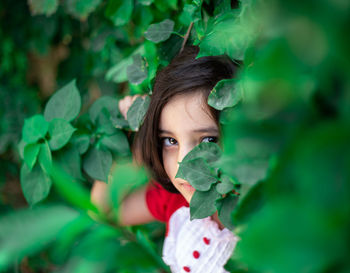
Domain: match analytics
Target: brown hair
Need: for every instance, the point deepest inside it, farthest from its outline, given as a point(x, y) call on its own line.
point(185, 74)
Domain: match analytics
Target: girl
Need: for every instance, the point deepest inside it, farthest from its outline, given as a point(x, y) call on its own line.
point(177, 120)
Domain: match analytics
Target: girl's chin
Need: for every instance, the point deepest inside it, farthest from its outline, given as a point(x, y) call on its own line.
point(188, 187)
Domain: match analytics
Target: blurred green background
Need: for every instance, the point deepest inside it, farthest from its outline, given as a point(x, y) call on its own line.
point(286, 140)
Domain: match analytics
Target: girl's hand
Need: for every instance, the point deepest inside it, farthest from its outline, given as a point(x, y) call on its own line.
point(125, 103)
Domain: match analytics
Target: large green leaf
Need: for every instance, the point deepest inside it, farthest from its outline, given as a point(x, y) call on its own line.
point(160, 32)
point(64, 104)
point(30, 154)
point(34, 129)
point(137, 111)
point(225, 186)
point(119, 12)
point(209, 151)
point(46, 7)
point(35, 184)
point(60, 132)
point(203, 203)
point(227, 35)
point(198, 173)
point(225, 94)
point(117, 143)
point(97, 163)
point(28, 231)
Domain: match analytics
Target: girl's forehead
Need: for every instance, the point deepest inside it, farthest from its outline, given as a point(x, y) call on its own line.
point(188, 111)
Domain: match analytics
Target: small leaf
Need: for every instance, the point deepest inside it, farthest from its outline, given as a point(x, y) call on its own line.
point(107, 102)
point(45, 158)
point(35, 184)
point(64, 104)
point(145, 2)
point(225, 186)
point(203, 203)
point(81, 8)
point(117, 73)
point(117, 143)
point(81, 142)
point(34, 129)
point(209, 151)
point(46, 7)
point(225, 94)
point(60, 132)
point(97, 163)
point(119, 12)
point(31, 152)
point(104, 123)
point(21, 146)
point(137, 72)
point(198, 173)
point(160, 32)
point(190, 13)
point(227, 205)
point(137, 111)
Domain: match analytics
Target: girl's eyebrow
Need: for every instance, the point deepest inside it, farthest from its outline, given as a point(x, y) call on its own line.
point(199, 130)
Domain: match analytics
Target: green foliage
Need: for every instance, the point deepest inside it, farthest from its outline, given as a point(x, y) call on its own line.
point(160, 32)
point(280, 181)
point(64, 104)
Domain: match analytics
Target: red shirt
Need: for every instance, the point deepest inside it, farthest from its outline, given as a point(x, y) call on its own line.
point(161, 203)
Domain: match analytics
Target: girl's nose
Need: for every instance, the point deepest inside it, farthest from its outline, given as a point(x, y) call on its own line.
point(183, 151)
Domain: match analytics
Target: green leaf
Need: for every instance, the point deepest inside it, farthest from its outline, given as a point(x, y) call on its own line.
point(117, 73)
point(81, 8)
point(46, 7)
point(26, 232)
point(137, 111)
point(225, 186)
point(104, 123)
point(107, 102)
point(45, 158)
point(71, 189)
point(64, 104)
point(125, 178)
point(69, 160)
point(227, 35)
point(137, 72)
point(35, 184)
point(225, 94)
point(31, 152)
point(21, 145)
point(203, 203)
point(60, 132)
point(34, 129)
point(97, 163)
point(198, 173)
point(191, 13)
point(209, 151)
point(227, 205)
point(117, 143)
point(160, 32)
point(119, 12)
point(145, 2)
point(81, 142)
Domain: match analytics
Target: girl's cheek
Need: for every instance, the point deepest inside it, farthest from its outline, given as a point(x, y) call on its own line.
point(170, 162)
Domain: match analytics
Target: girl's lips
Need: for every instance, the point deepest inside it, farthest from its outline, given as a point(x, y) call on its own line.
point(188, 187)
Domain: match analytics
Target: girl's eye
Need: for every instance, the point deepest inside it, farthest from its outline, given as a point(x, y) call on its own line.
point(169, 141)
point(210, 139)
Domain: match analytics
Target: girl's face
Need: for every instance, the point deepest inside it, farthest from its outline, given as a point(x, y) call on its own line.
point(184, 123)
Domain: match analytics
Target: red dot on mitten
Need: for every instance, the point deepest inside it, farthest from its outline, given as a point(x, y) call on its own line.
point(196, 254)
point(206, 240)
point(187, 269)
